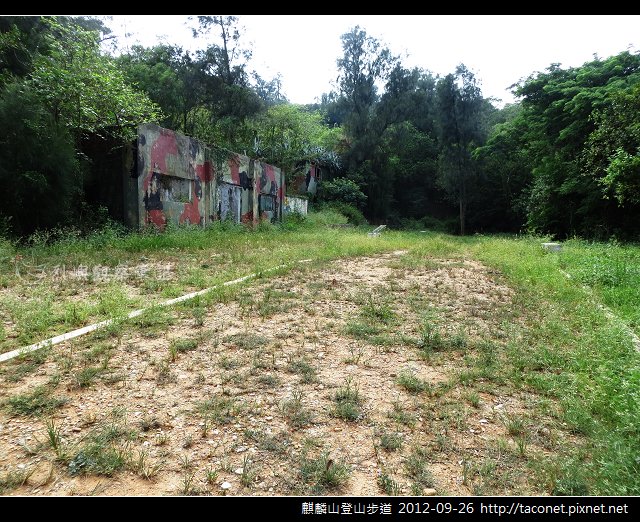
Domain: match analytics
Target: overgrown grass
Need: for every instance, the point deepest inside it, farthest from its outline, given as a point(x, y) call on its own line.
point(294, 410)
point(412, 383)
point(38, 402)
point(589, 363)
point(612, 270)
point(104, 452)
point(219, 409)
point(416, 466)
point(390, 441)
point(348, 402)
point(48, 308)
point(388, 485)
point(301, 364)
point(322, 473)
point(562, 347)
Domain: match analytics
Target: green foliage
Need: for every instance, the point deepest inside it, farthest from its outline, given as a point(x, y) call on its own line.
point(623, 177)
point(59, 90)
point(611, 154)
point(505, 163)
point(408, 148)
point(82, 88)
point(409, 155)
point(206, 93)
point(287, 135)
point(325, 217)
point(163, 73)
point(353, 215)
point(342, 190)
point(39, 172)
point(461, 129)
point(575, 125)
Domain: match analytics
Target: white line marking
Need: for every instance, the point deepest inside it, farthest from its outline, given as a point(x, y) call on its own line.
point(92, 327)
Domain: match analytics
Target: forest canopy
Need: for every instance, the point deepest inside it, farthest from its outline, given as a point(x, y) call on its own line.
point(404, 146)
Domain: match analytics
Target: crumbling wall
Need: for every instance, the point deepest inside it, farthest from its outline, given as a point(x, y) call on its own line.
point(295, 204)
point(306, 182)
point(175, 178)
point(182, 180)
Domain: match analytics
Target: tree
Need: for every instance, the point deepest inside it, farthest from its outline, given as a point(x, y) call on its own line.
point(500, 202)
point(57, 90)
point(39, 170)
point(560, 108)
point(612, 153)
point(226, 60)
point(83, 89)
point(287, 134)
point(167, 75)
point(21, 38)
point(364, 64)
point(223, 80)
point(460, 130)
point(343, 190)
point(269, 91)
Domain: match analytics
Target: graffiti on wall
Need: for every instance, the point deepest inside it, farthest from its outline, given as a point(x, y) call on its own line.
point(306, 181)
point(174, 175)
point(242, 177)
point(239, 176)
point(177, 183)
point(293, 204)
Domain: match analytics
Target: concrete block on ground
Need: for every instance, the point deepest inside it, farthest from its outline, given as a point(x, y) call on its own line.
point(552, 247)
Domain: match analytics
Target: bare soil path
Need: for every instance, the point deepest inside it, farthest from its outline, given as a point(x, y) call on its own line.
point(364, 376)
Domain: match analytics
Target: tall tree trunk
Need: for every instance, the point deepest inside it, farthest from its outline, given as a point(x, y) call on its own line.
point(225, 56)
point(463, 206)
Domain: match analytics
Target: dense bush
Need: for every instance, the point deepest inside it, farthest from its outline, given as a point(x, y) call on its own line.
point(39, 172)
point(354, 216)
point(342, 190)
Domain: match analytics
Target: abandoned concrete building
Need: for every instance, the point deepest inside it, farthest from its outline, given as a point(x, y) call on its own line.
point(167, 177)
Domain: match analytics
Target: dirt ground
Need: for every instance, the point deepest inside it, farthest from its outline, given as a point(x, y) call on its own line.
point(241, 397)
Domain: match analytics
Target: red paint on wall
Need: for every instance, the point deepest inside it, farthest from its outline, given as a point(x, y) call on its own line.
point(234, 165)
point(191, 212)
point(157, 218)
point(205, 172)
point(269, 171)
point(164, 145)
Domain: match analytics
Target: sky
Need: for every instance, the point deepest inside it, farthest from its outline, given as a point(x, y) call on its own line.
point(499, 49)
